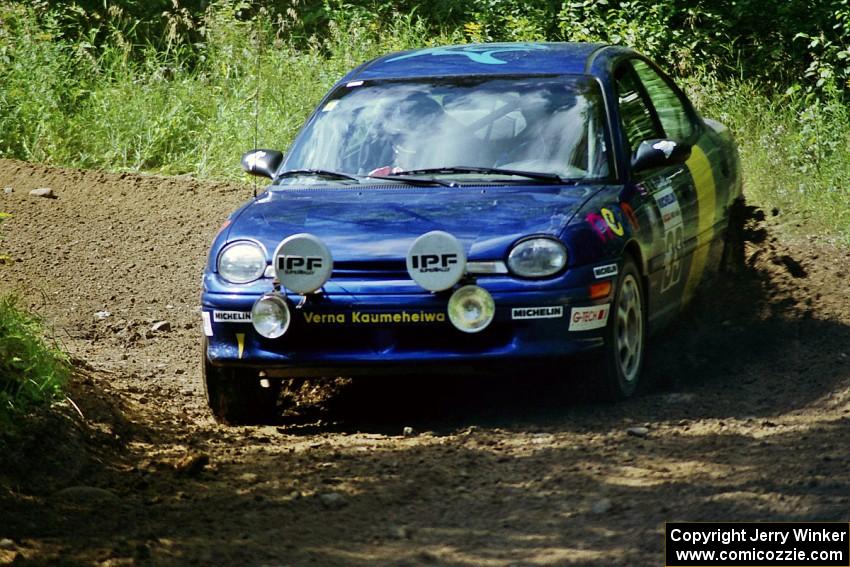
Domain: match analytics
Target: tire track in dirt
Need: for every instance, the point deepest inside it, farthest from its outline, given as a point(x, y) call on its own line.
point(751, 422)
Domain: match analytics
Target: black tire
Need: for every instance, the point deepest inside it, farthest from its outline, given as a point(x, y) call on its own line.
point(237, 396)
point(625, 336)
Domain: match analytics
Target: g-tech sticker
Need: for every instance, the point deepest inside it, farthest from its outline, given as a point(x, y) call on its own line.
point(606, 271)
point(674, 235)
point(232, 316)
point(547, 312)
point(589, 318)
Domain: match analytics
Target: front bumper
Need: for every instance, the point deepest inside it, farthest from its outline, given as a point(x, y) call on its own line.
point(350, 335)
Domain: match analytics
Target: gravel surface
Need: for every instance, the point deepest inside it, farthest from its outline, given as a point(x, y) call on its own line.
point(749, 418)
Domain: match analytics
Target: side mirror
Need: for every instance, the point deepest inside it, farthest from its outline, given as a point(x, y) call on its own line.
point(659, 153)
point(262, 163)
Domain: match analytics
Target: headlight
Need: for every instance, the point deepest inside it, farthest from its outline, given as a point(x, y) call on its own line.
point(537, 258)
point(242, 262)
point(270, 316)
point(471, 309)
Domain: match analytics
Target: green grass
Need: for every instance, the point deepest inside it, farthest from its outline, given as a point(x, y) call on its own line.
point(795, 149)
point(190, 109)
point(32, 371)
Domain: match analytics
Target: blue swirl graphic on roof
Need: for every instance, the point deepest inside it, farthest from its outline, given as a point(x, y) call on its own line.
point(485, 54)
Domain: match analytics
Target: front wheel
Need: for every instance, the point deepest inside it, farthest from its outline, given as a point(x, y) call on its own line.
point(237, 396)
point(625, 336)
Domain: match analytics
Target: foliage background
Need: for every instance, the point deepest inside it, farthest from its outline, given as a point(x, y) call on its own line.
point(170, 85)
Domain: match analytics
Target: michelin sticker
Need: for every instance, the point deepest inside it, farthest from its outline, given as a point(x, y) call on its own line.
point(303, 263)
point(232, 316)
point(546, 312)
point(436, 261)
point(589, 318)
point(606, 271)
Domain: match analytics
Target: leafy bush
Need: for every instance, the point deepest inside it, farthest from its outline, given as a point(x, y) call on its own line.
point(31, 371)
point(171, 86)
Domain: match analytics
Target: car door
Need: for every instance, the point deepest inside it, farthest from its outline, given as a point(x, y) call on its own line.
point(665, 197)
point(704, 208)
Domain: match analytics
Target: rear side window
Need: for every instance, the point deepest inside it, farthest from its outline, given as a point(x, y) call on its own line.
point(669, 107)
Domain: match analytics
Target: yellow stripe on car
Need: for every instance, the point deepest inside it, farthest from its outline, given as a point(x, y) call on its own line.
point(240, 340)
point(703, 177)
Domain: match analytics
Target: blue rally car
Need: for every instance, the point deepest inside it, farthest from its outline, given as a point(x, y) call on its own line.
point(469, 205)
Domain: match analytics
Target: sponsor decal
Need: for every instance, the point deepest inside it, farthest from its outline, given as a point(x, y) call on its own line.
point(256, 159)
point(231, 316)
point(612, 222)
point(545, 312)
point(589, 318)
point(674, 235)
point(630, 215)
point(205, 318)
point(605, 271)
point(666, 146)
point(605, 224)
point(600, 226)
point(302, 265)
point(363, 318)
point(426, 263)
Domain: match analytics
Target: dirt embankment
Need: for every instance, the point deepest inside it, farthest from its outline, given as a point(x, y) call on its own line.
point(751, 423)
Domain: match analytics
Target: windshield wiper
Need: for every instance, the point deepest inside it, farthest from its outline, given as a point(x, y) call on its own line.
point(548, 177)
point(326, 173)
point(413, 180)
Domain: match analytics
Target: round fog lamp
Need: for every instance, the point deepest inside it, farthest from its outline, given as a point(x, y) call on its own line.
point(471, 309)
point(270, 316)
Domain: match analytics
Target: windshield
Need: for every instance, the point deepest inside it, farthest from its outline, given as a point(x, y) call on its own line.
point(551, 125)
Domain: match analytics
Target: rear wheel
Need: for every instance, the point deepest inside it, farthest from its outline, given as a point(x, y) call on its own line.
point(238, 396)
point(625, 336)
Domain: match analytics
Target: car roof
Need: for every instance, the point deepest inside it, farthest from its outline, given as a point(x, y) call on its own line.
point(487, 59)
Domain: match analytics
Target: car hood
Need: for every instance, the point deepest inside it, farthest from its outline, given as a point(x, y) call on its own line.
point(380, 223)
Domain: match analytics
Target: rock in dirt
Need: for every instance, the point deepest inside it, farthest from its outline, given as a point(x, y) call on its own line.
point(249, 477)
point(400, 532)
point(7, 544)
point(192, 464)
point(602, 506)
point(86, 495)
point(638, 431)
point(332, 500)
point(161, 327)
point(8, 190)
point(101, 315)
point(408, 432)
point(679, 397)
point(45, 192)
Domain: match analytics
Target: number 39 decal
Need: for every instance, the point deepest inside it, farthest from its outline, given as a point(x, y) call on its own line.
point(674, 236)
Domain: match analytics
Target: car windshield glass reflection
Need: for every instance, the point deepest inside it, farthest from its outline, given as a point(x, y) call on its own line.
point(548, 125)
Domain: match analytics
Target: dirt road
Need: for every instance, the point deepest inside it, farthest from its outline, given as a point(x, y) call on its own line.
point(752, 421)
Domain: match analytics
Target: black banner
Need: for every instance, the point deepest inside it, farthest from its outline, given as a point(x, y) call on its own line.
point(796, 544)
